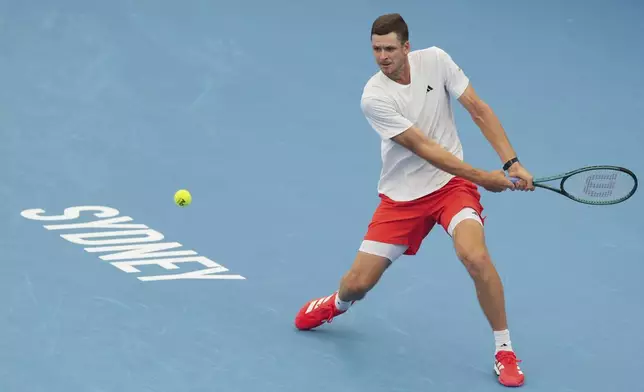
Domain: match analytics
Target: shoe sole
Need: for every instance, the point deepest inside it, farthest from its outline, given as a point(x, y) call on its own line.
point(498, 374)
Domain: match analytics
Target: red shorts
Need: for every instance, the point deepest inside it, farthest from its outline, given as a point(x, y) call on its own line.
point(409, 222)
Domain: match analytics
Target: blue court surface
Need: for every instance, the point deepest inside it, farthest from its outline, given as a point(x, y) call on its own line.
point(108, 107)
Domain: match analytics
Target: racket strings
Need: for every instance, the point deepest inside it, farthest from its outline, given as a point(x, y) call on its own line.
point(603, 185)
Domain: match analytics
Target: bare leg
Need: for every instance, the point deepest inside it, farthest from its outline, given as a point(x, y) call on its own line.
point(363, 275)
point(469, 243)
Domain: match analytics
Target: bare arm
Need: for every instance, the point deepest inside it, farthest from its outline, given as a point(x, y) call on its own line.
point(389, 124)
point(490, 125)
point(493, 131)
point(415, 141)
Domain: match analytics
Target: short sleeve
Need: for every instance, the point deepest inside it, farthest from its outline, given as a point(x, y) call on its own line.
point(455, 79)
point(383, 117)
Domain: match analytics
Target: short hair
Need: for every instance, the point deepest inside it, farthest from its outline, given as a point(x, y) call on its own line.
point(391, 23)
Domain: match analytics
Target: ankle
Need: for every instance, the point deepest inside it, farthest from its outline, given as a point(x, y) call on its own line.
point(341, 304)
point(347, 295)
point(502, 340)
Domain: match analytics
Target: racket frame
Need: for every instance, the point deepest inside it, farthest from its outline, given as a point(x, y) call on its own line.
point(538, 182)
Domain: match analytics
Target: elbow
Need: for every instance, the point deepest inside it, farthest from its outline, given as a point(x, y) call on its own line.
point(481, 112)
point(478, 118)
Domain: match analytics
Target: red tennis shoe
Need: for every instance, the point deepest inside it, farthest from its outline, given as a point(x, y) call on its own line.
point(317, 312)
point(507, 368)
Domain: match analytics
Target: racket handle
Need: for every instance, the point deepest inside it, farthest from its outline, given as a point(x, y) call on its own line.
point(514, 179)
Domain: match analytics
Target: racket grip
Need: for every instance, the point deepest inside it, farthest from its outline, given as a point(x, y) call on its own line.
point(514, 179)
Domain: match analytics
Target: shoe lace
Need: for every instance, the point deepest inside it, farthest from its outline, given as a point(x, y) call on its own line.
point(329, 315)
point(508, 358)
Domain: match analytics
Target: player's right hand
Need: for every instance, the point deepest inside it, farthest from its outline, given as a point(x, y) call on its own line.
point(496, 181)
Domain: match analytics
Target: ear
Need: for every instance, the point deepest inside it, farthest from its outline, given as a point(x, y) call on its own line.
point(407, 47)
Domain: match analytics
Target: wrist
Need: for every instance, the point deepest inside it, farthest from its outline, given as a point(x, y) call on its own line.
point(510, 162)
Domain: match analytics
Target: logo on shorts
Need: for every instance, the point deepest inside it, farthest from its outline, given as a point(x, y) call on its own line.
point(429, 88)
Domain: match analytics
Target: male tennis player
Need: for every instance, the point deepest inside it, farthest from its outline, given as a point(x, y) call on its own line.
point(424, 180)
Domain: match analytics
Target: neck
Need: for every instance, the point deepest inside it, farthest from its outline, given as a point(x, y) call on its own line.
point(403, 75)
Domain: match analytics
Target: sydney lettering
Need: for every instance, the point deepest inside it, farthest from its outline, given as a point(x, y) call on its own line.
point(130, 247)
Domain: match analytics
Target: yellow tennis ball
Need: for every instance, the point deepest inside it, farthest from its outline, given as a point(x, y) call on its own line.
point(182, 198)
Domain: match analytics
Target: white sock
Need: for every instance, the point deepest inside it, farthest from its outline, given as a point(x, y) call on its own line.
point(502, 340)
point(342, 306)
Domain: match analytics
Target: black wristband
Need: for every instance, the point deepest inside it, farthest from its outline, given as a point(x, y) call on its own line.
point(510, 162)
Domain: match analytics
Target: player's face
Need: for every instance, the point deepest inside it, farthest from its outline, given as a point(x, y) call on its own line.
point(390, 53)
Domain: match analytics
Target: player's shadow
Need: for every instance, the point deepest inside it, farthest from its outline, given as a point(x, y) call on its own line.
point(336, 334)
point(371, 356)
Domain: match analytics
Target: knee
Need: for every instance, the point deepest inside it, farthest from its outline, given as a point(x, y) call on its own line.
point(477, 261)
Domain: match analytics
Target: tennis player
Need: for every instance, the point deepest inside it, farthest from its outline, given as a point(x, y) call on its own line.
point(424, 180)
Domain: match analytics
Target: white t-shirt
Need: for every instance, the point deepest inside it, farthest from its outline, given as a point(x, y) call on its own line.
point(392, 108)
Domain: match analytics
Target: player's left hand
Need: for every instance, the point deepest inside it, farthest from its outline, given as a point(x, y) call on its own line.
point(525, 178)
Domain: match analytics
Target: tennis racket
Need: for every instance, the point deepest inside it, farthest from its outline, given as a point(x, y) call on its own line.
point(597, 185)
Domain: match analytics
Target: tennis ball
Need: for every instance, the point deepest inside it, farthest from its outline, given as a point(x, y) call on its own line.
point(182, 198)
